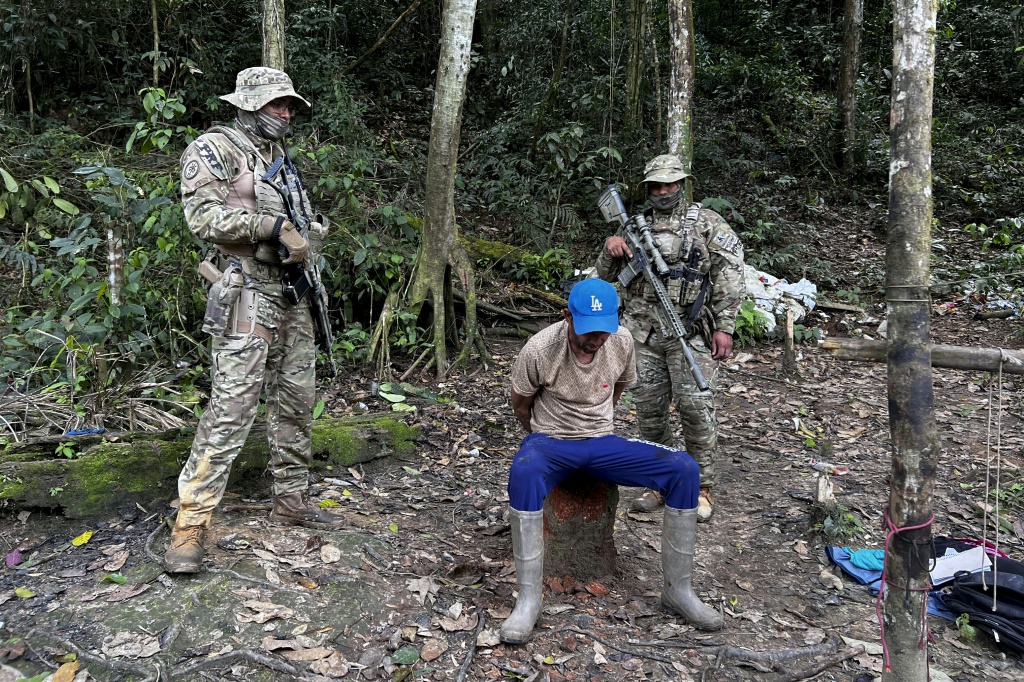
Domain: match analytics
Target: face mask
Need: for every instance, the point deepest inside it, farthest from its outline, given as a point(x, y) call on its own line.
point(666, 202)
point(270, 126)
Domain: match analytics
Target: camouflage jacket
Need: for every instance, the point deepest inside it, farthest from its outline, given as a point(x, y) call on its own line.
point(721, 262)
point(224, 200)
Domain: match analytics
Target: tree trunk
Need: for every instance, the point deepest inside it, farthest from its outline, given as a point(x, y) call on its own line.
point(579, 519)
point(273, 35)
point(635, 63)
point(107, 474)
point(440, 233)
point(156, 43)
point(115, 262)
point(853, 20)
point(652, 38)
point(680, 97)
point(915, 445)
point(556, 78)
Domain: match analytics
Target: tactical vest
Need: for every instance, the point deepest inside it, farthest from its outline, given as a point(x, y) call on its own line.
point(268, 200)
point(685, 253)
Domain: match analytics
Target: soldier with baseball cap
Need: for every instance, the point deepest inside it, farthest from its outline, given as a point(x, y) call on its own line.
point(565, 383)
point(705, 281)
point(260, 338)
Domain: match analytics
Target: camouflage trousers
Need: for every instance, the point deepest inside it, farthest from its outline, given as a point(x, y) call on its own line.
point(242, 366)
point(664, 378)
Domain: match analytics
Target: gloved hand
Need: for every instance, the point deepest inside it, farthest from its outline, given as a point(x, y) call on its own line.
point(294, 244)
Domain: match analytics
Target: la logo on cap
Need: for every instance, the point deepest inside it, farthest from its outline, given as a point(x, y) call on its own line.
point(595, 304)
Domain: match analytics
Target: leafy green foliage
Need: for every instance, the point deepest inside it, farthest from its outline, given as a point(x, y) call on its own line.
point(751, 323)
point(158, 128)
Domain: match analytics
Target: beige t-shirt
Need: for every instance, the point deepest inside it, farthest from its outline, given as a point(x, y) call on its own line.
point(573, 401)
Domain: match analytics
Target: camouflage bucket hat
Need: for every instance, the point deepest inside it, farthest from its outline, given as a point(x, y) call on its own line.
point(665, 168)
point(256, 86)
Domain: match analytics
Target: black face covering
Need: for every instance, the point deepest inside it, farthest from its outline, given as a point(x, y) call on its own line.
point(262, 124)
point(666, 202)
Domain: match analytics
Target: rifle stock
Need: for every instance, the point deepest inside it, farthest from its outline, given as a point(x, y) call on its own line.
point(638, 235)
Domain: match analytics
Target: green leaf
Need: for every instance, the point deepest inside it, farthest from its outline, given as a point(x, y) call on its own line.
point(115, 578)
point(52, 184)
point(393, 528)
point(38, 678)
point(328, 503)
point(407, 655)
point(82, 539)
point(403, 407)
point(25, 593)
point(357, 260)
point(391, 397)
point(65, 206)
point(318, 409)
point(9, 182)
point(410, 470)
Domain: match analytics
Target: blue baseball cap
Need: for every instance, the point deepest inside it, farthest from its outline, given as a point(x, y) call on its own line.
point(594, 305)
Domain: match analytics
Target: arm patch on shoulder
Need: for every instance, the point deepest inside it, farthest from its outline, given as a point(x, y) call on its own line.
point(726, 241)
point(209, 155)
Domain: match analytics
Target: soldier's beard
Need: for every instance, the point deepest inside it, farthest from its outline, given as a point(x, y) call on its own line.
point(666, 202)
point(262, 124)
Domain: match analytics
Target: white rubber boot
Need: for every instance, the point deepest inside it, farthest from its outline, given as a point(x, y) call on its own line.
point(678, 538)
point(528, 549)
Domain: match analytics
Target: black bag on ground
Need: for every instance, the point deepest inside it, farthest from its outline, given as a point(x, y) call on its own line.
point(993, 601)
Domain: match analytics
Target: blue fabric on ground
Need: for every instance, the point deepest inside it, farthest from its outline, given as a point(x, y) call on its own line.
point(841, 558)
point(869, 559)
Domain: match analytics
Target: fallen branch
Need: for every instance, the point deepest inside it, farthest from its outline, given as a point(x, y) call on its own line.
point(610, 645)
point(808, 673)
point(376, 46)
point(952, 357)
point(481, 618)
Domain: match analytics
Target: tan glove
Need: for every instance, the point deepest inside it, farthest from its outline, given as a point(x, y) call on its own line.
point(295, 246)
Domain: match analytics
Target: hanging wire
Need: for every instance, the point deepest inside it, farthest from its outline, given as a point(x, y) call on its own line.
point(988, 474)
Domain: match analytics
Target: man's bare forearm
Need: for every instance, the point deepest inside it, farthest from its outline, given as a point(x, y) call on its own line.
point(522, 406)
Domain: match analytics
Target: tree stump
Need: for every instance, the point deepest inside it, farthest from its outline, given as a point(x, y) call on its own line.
point(579, 518)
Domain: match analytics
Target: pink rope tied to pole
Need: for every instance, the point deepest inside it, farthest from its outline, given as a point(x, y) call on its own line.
point(892, 531)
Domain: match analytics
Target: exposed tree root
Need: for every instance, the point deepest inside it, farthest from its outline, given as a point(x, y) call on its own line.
point(481, 618)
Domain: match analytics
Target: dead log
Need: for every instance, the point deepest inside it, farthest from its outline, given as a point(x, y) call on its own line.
point(579, 519)
point(104, 476)
point(952, 357)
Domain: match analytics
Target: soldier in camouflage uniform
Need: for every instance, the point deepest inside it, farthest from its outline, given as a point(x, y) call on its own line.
point(259, 338)
point(701, 241)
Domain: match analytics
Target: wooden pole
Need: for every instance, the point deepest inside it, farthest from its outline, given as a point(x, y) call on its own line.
point(789, 347)
point(951, 357)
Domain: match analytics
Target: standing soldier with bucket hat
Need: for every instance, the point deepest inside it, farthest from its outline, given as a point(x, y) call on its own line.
point(262, 335)
point(705, 281)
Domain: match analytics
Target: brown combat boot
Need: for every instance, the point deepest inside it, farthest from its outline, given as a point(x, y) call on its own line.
point(705, 505)
point(297, 510)
point(649, 501)
point(185, 555)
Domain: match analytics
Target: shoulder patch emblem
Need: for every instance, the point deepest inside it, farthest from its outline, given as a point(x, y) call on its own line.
point(191, 170)
point(726, 241)
point(209, 155)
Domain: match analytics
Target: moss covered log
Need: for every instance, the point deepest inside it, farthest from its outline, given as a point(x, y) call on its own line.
point(102, 475)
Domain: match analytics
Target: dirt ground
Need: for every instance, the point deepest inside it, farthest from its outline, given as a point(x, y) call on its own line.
point(418, 583)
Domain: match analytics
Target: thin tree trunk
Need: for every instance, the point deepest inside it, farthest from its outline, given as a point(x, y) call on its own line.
point(635, 63)
point(680, 98)
point(156, 44)
point(556, 78)
point(853, 20)
point(440, 233)
point(376, 46)
point(273, 35)
point(31, 103)
point(115, 262)
point(915, 446)
point(652, 38)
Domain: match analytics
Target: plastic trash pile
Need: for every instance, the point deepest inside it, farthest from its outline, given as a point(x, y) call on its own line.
point(775, 296)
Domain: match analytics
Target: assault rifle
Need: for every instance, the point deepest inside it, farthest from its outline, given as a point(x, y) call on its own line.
point(301, 279)
point(638, 235)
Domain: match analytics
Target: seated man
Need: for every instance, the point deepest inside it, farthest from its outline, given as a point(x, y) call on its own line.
point(565, 384)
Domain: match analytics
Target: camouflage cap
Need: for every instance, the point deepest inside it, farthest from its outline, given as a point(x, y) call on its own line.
point(258, 85)
point(665, 168)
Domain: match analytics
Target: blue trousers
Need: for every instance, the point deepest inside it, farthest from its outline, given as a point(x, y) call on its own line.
point(543, 462)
